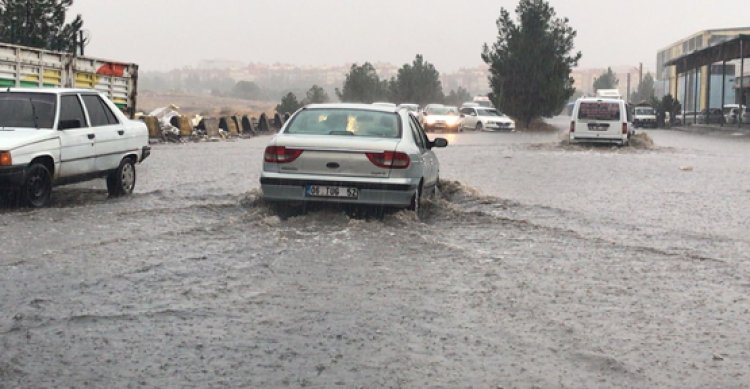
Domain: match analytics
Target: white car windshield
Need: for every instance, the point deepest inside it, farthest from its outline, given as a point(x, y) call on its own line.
point(27, 110)
point(351, 122)
point(489, 112)
point(442, 111)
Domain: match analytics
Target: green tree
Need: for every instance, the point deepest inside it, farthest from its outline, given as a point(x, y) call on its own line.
point(672, 106)
point(316, 95)
point(39, 23)
point(531, 61)
point(607, 80)
point(362, 85)
point(246, 90)
point(645, 91)
point(289, 104)
point(457, 96)
point(418, 83)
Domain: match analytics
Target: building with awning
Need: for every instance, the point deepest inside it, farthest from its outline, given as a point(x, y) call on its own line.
point(706, 69)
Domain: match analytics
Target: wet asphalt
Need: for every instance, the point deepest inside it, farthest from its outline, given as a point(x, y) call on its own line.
point(541, 264)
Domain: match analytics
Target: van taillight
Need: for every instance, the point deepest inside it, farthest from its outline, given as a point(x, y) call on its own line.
point(281, 154)
point(573, 126)
point(624, 128)
point(389, 159)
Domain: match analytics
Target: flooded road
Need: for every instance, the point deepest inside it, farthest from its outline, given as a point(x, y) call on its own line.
point(541, 265)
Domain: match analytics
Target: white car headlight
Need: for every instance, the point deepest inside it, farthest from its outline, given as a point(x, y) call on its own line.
point(429, 120)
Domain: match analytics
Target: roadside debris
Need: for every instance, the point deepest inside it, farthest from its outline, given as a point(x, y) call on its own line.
point(167, 124)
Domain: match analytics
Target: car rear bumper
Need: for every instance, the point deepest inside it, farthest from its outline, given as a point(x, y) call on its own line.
point(12, 176)
point(145, 152)
point(598, 138)
point(397, 194)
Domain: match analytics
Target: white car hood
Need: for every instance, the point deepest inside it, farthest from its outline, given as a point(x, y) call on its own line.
point(442, 117)
point(13, 138)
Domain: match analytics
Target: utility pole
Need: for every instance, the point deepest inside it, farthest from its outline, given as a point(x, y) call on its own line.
point(628, 95)
point(640, 73)
point(81, 41)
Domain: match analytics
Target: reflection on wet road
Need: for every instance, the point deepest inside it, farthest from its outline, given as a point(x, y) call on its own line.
point(542, 264)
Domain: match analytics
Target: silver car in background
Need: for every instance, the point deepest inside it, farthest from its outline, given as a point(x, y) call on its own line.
point(353, 154)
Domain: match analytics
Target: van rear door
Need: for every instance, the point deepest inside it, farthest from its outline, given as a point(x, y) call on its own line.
point(598, 118)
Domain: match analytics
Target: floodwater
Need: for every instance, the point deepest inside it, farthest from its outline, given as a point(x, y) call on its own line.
point(542, 264)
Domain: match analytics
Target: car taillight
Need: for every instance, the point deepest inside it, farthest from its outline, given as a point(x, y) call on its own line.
point(389, 159)
point(5, 158)
point(281, 154)
point(573, 126)
point(624, 128)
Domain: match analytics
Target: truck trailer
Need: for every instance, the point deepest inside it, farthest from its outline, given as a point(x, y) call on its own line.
point(30, 67)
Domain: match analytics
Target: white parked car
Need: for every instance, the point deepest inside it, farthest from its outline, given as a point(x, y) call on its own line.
point(733, 113)
point(481, 118)
point(51, 137)
point(601, 120)
point(351, 153)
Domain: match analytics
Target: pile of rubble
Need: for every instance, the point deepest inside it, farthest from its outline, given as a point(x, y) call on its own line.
point(166, 124)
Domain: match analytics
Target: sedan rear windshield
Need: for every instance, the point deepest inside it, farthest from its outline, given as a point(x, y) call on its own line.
point(348, 122)
point(644, 111)
point(27, 110)
point(599, 110)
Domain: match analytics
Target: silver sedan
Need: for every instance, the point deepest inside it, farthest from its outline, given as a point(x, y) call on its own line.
point(351, 153)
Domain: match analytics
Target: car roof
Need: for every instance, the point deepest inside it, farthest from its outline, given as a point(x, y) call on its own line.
point(50, 90)
point(358, 106)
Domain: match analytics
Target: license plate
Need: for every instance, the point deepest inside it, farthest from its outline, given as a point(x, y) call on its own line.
point(331, 191)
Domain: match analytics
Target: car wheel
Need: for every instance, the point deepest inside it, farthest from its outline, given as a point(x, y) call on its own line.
point(122, 181)
point(479, 127)
point(37, 187)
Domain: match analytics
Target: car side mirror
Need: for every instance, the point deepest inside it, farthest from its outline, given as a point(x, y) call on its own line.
point(439, 142)
point(69, 124)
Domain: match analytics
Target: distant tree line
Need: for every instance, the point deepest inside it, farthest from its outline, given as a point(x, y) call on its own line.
point(418, 83)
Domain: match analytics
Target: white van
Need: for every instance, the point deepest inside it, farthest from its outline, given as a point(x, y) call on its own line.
point(600, 120)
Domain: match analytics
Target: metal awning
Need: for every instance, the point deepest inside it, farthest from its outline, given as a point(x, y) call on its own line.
point(738, 47)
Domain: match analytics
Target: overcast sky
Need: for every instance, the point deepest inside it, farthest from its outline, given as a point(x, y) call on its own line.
point(164, 34)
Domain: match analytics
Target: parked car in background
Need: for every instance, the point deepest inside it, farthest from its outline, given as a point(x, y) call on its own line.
point(483, 101)
point(600, 120)
point(644, 116)
point(411, 107)
point(734, 112)
point(442, 117)
point(481, 118)
point(353, 154)
point(52, 137)
point(712, 116)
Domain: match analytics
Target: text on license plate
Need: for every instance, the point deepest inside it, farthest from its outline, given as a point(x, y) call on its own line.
point(331, 191)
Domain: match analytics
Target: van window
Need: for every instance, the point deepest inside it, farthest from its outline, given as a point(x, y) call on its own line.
point(598, 110)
